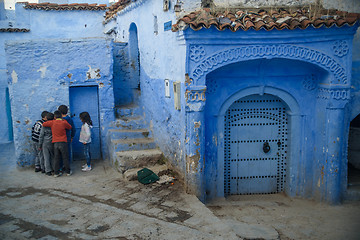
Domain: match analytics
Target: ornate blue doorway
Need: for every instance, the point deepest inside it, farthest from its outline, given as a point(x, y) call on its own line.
point(255, 151)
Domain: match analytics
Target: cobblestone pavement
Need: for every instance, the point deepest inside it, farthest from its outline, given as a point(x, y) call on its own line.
point(98, 205)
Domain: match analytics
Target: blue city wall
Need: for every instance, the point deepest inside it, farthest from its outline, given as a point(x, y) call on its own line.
point(40, 74)
point(162, 56)
point(40, 24)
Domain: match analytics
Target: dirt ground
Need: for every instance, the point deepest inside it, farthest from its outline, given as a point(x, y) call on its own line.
point(292, 218)
point(130, 209)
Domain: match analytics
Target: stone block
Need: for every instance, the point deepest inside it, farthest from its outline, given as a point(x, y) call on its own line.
point(133, 159)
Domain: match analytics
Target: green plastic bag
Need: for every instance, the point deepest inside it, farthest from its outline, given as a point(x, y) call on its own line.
point(146, 176)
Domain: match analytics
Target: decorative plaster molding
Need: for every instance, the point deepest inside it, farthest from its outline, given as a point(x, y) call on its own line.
point(270, 51)
point(340, 48)
point(337, 94)
point(195, 95)
point(309, 82)
point(197, 53)
point(195, 99)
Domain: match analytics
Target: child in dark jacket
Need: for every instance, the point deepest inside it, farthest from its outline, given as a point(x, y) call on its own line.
point(47, 146)
point(58, 129)
point(35, 135)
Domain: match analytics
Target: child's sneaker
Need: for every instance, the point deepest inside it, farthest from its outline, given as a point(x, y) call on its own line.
point(37, 169)
point(69, 173)
point(84, 166)
point(48, 173)
point(86, 169)
point(57, 175)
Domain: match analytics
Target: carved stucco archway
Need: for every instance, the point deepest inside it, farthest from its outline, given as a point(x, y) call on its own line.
point(337, 92)
point(245, 53)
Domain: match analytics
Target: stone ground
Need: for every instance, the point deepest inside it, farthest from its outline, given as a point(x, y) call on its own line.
point(102, 205)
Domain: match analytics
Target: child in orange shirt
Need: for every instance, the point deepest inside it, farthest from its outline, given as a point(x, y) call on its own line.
point(58, 129)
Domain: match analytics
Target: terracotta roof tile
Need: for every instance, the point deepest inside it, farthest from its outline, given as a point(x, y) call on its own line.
point(14, 30)
point(115, 8)
point(63, 7)
point(263, 19)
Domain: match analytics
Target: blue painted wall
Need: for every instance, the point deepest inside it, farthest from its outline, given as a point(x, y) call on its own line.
point(122, 89)
point(42, 24)
point(40, 74)
point(162, 56)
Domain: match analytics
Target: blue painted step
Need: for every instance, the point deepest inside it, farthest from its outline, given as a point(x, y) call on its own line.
point(128, 111)
point(133, 144)
point(129, 133)
point(134, 122)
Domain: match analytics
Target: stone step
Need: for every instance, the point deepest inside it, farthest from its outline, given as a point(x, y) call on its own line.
point(129, 133)
point(128, 111)
point(133, 159)
point(133, 144)
point(134, 122)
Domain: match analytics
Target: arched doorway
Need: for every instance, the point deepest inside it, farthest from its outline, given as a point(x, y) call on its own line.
point(255, 145)
point(134, 56)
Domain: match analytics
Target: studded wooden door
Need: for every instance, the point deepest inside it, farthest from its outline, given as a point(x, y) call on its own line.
point(255, 146)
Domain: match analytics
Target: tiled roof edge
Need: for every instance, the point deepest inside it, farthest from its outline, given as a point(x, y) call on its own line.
point(122, 9)
point(14, 30)
point(65, 7)
point(277, 19)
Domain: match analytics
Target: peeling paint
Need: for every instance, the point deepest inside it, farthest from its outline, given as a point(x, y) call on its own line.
point(188, 80)
point(338, 139)
point(69, 75)
point(197, 124)
point(93, 73)
point(192, 162)
point(101, 85)
point(42, 69)
point(215, 140)
point(322, 174)
point(14, 77)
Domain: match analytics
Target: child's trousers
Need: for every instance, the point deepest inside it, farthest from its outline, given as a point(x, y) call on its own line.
point(87, 154)
point(48, 151)
point(61, 151)
point(39, 157)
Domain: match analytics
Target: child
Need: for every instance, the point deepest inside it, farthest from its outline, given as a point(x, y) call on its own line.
point(70, 134)
point(85, 138)
point(47, 146)
point(58, 130)
point(35, 135)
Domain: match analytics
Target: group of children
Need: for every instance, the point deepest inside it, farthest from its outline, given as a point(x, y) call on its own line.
point(52, 137)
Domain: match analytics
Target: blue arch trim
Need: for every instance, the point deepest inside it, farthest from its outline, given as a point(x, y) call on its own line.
point(245, 53)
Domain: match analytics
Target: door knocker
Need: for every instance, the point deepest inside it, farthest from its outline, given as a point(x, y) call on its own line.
point(266, 147)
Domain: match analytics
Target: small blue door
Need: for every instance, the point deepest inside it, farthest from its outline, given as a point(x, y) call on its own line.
point(255, 146)
point(85, 99)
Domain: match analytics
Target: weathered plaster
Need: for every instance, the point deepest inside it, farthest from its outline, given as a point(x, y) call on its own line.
point(32, 91)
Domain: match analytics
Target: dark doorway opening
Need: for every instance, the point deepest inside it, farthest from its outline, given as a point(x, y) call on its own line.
point(354, 155)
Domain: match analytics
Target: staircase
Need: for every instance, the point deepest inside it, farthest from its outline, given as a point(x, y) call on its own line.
point(130, 140)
